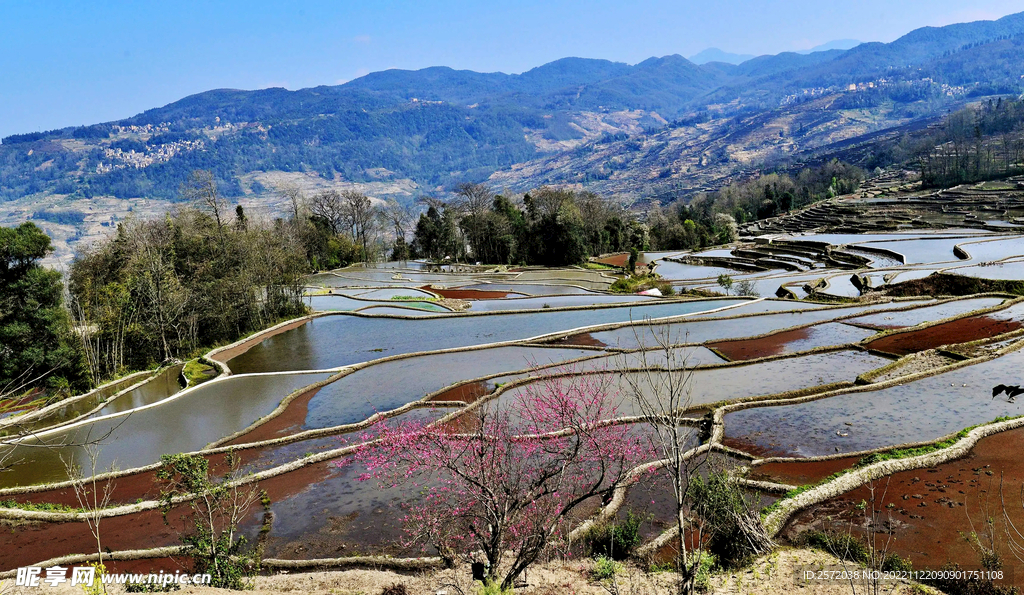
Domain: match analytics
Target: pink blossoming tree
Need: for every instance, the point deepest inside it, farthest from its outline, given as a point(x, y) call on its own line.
point(509, 485)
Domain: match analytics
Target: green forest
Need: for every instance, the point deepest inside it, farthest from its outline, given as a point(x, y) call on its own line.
point(557, 227)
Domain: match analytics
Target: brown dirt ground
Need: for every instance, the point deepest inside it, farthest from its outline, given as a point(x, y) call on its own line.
point(585, 339)
point(467, 393)
point(615, 260)
point(763, 347)
point(949, 333)
point(751, 448)
point(932, 508)
point(467, 294)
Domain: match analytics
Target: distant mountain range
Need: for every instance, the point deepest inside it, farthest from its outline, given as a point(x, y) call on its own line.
point(717, 55)
point(400, 134)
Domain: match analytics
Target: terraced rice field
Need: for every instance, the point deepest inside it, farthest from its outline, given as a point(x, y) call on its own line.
point(814, 385)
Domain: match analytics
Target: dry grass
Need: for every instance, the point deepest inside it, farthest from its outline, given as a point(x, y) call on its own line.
point(770, 575)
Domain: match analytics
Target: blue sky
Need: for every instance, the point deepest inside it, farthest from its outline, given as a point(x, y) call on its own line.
point(70, 63)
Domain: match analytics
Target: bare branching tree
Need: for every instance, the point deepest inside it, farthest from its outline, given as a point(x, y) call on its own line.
point(662, 391)
point(329, 206)
point(398, 216)
point(296, 200)
point(361, 219)
point(93, 495)
point(201, 191)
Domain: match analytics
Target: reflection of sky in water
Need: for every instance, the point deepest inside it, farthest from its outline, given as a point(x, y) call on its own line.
point(765, 378)
point(340, 340)
point(389, 385)
point(922, 410)
point(710, 330)
point(560, 301)
point(927, 314)
point(186, 424)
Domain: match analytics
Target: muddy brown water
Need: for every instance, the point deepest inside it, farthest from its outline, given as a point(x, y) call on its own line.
point(932, 509)
point(963, 330)
point(798, 473)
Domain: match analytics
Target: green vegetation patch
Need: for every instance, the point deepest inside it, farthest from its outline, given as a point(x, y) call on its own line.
point(38, 506)
point(638, 283)
point(197, 372)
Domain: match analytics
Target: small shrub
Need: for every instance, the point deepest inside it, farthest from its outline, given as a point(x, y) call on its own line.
point(725, 282)
point(702, 582)
point(737, 533)
point(605, 568)
point(840, 545)
point(97, 587)
point(395, 589)
point(616, 541)
point(491, 588)
point(198, 372)
point(747, 288)
point(894, 563)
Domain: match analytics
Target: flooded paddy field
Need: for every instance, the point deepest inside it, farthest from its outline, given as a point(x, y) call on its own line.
point(932, 508)
point(701, 331)
point(802, 339)
point(210, 411)
point(338, 340)
point(926, 314)
point(388, 345)
point(730, 383)
point(924, 410)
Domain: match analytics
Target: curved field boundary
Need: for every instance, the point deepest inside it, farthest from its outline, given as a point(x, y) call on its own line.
point(15, 420)
point(174, 397)
point(351, 427)
point(879, 251)
point(849, 481)
point(83, 418)
point(717, 434)
point(962, 253)
point(348, 369)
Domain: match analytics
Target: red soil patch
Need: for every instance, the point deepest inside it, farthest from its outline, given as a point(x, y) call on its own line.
point(615, 260)
point(584, 339)
point(931, 506)
point(130, 488)
point(754, 348)
point(228, 354)
point(798, 473)
point(291, 420)
point(949, 333)
point(467, 393)
point(466, 294)
point(751, 448)
point(29, 543)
